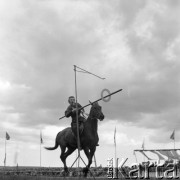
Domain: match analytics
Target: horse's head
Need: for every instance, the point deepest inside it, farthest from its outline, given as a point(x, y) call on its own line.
point(96, 111)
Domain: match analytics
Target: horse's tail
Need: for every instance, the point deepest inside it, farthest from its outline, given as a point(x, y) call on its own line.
point(52, 148)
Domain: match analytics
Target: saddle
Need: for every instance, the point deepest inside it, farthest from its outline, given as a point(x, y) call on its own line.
point(74, 128)
point(81, 128)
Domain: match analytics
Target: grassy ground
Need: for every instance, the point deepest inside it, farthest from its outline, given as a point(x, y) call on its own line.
point(50, 172)
point(45, 173)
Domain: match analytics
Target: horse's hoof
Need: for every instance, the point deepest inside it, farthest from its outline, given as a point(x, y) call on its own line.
point(65, 172)
point(85, 171)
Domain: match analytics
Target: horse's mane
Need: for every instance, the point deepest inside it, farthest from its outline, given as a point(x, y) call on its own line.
point(92, 116)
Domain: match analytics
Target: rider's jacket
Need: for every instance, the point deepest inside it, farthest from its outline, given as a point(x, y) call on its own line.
point(69, 112)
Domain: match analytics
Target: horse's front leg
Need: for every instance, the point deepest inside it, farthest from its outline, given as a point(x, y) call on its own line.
point(92, 151)
point(86, 169)
point(89, 154)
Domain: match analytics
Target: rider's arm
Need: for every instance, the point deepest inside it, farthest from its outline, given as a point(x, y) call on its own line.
point(68, 112)
point(82, 110)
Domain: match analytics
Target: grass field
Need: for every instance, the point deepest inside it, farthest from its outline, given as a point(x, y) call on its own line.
point(46, 173)
point(50, 173)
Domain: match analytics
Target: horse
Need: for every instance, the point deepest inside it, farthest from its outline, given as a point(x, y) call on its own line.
point(88, 138)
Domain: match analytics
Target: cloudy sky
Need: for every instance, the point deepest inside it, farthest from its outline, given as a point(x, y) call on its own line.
point(135, 45)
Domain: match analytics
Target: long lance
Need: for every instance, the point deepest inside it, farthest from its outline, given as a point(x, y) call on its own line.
point(96, 101)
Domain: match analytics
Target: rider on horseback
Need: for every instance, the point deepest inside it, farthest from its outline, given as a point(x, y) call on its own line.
point(71, 111)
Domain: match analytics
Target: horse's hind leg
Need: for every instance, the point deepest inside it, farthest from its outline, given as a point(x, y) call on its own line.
point(63, 148)
point(65, 155)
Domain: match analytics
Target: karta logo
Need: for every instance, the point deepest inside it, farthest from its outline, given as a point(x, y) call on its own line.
point(139, 171)
point(114, 168)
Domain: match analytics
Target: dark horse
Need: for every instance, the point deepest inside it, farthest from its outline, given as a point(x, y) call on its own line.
point(88, 139)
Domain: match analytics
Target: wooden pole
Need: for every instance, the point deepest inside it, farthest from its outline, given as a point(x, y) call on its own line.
point(77, 122)
point(40, 147)
point(5, 154)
